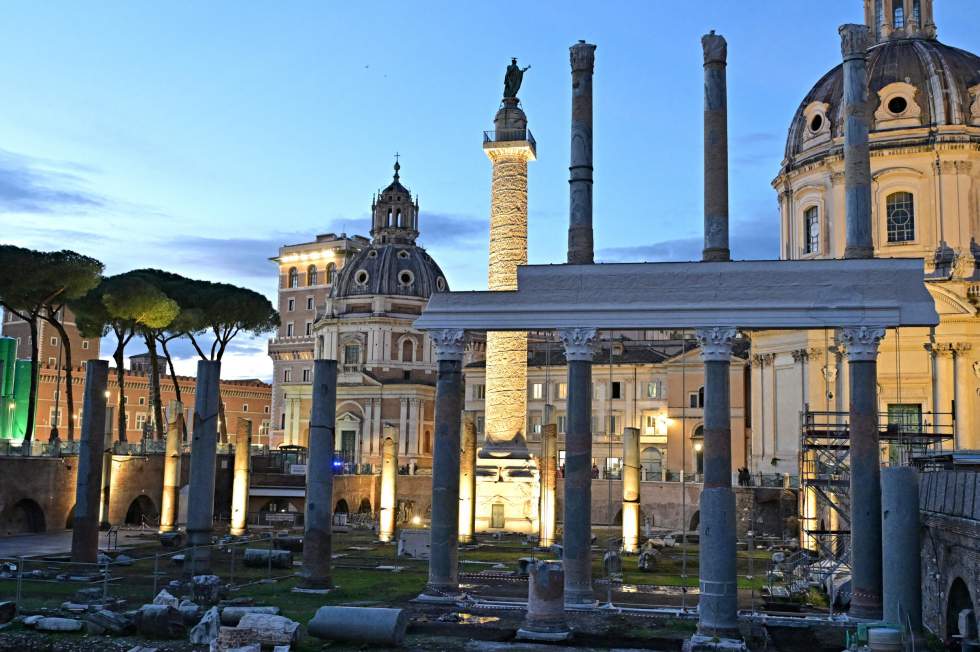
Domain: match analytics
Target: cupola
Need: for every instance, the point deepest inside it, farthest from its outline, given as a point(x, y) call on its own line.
point(395, 215)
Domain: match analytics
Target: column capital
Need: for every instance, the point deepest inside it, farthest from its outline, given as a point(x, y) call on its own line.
point(854, 41)
point(715, 48)
point(579, 343)
point(582, 56)
point(716, 343)
point(449, 343)
point(862, 342)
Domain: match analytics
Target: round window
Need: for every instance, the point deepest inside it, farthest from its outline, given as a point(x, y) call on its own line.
point(405, 277)
point(897, 105)
point(373, 253)
point(361, 278)
point(441, 284)
point(816, 122)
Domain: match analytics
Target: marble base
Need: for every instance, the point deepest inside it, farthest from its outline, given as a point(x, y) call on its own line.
point(548, 637)
point(702, 643)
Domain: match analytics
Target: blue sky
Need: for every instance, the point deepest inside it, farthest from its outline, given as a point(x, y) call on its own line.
point(197, 137)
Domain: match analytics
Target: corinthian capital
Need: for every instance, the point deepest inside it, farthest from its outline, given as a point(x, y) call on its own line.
point(449, 343)
point(582, 56)
point(715, 48)
point(716, 343)
point(579, 343)
point(862, 342)
point(854, 41)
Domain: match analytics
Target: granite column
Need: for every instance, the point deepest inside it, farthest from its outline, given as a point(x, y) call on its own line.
point(862, 354)
point(204, 442)
point(443, 581)
point(717, 606)
point(85, 530)
point(577, 540)
point(580, 246)
point(855, 40)
point(715, 148)
point(319, 477)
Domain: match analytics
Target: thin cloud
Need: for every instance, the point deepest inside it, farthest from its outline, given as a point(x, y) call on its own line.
point(755, 239)
point(34, 185)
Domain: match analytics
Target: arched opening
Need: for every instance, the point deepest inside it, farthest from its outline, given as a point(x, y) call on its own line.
point(695, 522)
point(23, 517)
point(959, 599)
point(651, 460)
point(142, 511)
point(331, 272)
point(341, 507)
point(311, 275)
point(408, 351)
point(365, 506)
point(898, 15)
point(388, 220)
point(293, 278)
point(811, 230)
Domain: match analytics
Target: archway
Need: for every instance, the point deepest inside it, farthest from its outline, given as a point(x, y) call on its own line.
point(341, 507)
point(142, 510)
point(651, 459)
point(695, 521)
point(365, 507)
point(23, 517)
point(959, 599)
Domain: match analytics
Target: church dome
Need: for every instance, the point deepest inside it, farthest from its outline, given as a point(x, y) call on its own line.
point(390, 269)
point(912, 82)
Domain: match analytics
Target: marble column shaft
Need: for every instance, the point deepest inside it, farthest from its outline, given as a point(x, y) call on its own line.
point(580, 246)
point(444, 532)
point(389, 480)
point(855, 40)
point(171, 469)
point(204, 442)
point(715, 148)
point(901, 555)
point(577, 538)
point(317, 544)
point(631, 490)
point(467, 480)
point(106, 487)
point(717, 605)
point(549, 475)
point(862, 352)
point(239, 487)
point(85, 530)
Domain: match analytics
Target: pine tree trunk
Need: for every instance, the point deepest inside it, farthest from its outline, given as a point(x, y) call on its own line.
point(69, 396)
point(121, 382)
point(32, 394)
point(151, 345)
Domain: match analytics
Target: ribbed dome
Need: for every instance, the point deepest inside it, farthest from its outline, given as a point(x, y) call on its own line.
point(390, 269)
point(942, 76)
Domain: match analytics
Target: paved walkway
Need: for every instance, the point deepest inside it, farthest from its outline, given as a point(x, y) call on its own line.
point(59, 543)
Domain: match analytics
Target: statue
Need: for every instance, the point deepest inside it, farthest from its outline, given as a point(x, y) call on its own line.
point(513, 79)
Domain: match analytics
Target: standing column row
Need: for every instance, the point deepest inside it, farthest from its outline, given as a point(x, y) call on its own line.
point(443, 581)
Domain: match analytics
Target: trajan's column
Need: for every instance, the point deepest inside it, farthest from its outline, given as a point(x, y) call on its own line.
point(507, 502)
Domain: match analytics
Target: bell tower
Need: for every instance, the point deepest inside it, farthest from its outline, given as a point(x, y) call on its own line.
point(394, 214)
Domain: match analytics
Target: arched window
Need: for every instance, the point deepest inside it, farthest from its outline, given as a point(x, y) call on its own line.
point(399, 218)
point(408, 351)
point(331, 272)
point(898, 15)
point(311, 275)
point(388, 221)
point(879, 18)
point(900, 209)
point(352, 356)
point(811, 230)
point(917, 13)
point(293, 277)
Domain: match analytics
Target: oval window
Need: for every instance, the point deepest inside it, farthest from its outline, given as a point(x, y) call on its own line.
point(405, 277)
point(897, 105)
point(373, 253)
point(816, 122)
point(361, 278)
point(441, 284)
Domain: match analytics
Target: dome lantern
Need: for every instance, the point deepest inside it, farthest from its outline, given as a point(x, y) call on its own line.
point(394, 214)
point(891, 19)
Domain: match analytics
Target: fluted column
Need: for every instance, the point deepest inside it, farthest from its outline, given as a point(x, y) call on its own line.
point(862, 353)
point(580, 247)
point(88, 484)
point(715, 148)
point(577, 541)
point(318, 532)
point(717, 606)
point(204, 442)
point(444, 546)
point(240, 480)
point(171, 469)
point(855, 40)
point(467, 480)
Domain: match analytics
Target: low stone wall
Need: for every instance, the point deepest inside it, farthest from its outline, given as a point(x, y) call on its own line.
point(949, 503)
